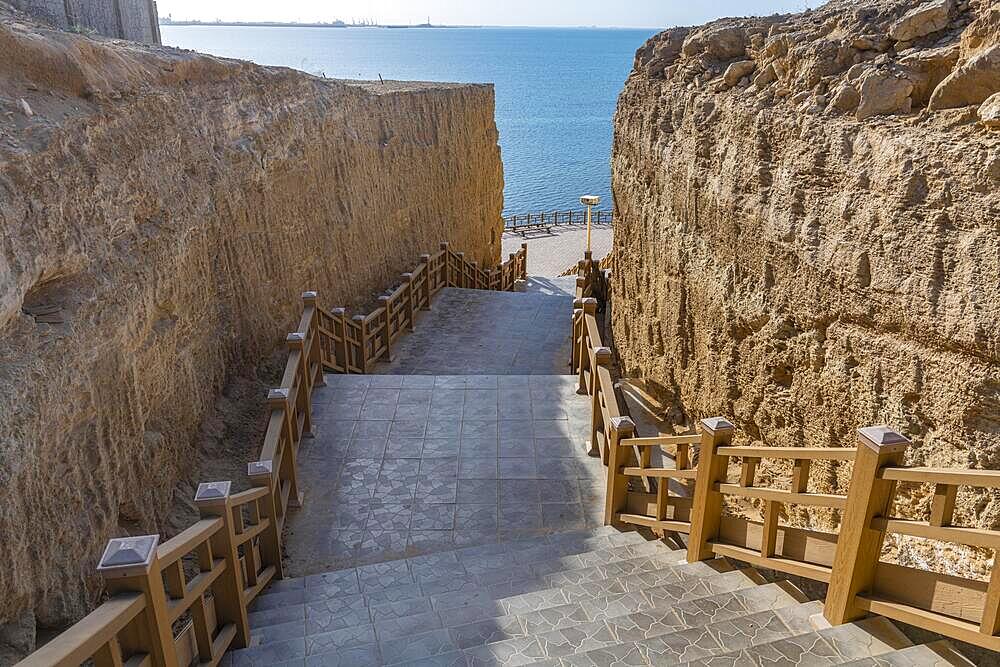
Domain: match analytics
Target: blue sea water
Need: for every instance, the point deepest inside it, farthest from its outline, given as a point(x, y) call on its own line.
point(556, 89)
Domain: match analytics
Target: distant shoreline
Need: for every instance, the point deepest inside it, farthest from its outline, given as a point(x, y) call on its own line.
point(279, 24)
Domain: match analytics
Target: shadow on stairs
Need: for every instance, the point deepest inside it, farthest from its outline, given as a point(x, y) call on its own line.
point(599, 597)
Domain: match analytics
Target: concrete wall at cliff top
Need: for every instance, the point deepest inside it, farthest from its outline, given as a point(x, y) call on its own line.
point(803, 245)
point(124, 19)
point(161, 212)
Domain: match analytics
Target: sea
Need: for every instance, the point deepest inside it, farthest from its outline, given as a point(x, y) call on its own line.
point(556, 88)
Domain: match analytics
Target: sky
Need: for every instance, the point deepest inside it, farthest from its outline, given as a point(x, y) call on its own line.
point(604, 13)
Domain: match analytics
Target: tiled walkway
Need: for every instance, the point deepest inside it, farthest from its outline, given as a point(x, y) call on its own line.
point(482, 332)
point(405, 463)
point(550, 254)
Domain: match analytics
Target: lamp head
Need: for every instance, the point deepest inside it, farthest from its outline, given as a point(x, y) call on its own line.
point(590, 200)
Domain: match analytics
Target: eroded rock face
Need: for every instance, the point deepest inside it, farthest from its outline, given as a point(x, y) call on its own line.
point(884, 92)
point(924, 19)
point(803, 272)
point(971, 83)
point(161, 213)
point(989, 111)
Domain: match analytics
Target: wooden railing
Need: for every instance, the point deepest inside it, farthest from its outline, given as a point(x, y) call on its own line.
point(513, 223)
point(849, 561)
point(355, 344)
point(185, 601)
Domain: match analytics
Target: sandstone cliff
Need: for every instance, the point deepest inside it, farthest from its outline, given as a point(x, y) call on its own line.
point(161, 212)
point(808, 234)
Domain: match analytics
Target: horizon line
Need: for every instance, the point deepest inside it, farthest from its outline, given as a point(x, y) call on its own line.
point(333, 24)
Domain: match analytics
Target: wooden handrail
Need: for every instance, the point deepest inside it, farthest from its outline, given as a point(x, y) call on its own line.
point(660, 473)
point(184, 542)
point(662, 441)
point(973, 537)
point(237, 543)
point(90, 635)
point(965, 609)
point(796, 453)
point(979, 478)
point(355, 344)
point(785, 497)
point(248, 496)
point(150, 588)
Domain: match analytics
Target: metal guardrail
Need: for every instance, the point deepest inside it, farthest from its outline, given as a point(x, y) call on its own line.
point(546, 220)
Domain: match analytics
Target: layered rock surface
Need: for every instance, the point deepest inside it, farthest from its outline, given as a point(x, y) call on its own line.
point(161, 212)
point(808, 236)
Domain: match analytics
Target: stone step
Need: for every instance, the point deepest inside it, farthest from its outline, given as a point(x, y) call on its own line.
point(522, 612)
point(342, 622)
point(423, 575)
point(842, 644)
point(791, 636)
point(935, 654)
point(640, 597)
point(643, 645)
point(659, 620)
point(406, 600)
point(557, 544)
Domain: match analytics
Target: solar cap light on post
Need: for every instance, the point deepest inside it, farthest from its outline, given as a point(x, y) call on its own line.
point(590, 201)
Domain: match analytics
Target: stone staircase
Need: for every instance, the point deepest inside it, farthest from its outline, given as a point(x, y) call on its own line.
point(599, 597)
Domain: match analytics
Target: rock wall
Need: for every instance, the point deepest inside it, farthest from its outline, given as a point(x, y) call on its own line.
point(160, 214)
point(808, 235)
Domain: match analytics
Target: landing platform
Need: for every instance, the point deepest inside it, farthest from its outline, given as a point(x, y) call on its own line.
point(490, 333)
point(405, 465)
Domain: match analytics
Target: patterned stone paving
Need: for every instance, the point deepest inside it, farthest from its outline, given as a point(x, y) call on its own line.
point(455, 519)
point(403, 465)
point(472, 332)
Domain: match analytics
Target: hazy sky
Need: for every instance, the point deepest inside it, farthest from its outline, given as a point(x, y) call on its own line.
point(630, 13)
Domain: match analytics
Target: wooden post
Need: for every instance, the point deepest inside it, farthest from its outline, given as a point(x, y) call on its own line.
point(574, 361)
point(589, 309)
point(476, 284)
point(340, 315)
point(386, 303)
point(990, 624)
point(288, 464)
point(859, 544)
point(261, 474)
point(212, 499)
point(706, 509)
point(460, 269)
point(362, 342)
point(524, 261)
point(408, 281)
point(602, 357)
point(447, 265)
point(309, 300)
point(303, 401)
point(769, 529)
point(426, 296)
point(131, 564)
point(616, 498)
point(943, 506)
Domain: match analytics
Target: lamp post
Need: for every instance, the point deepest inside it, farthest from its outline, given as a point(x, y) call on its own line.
point(589, 201)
